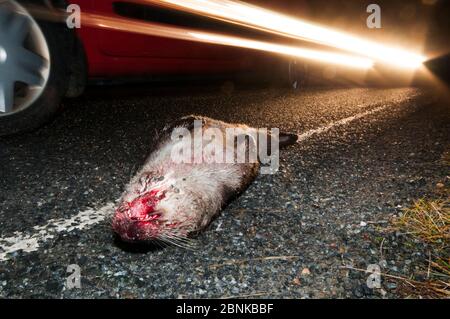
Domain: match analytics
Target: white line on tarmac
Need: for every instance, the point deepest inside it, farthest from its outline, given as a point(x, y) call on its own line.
point(29, 242)
point(304, 136)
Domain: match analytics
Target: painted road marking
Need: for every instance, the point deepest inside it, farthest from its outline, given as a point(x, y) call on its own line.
point(304, 136)
point(29, 242)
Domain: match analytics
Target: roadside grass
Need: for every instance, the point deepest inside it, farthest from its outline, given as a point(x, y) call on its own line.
point(428, 220)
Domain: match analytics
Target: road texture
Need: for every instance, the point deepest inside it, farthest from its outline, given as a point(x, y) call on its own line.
point(363, 155)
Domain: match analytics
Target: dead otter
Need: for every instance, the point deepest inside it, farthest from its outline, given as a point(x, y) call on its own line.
point(184, 184)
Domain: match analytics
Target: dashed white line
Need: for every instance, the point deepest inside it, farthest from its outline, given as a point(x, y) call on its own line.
point(304, 136)
point(40, 234)
point(29, 242)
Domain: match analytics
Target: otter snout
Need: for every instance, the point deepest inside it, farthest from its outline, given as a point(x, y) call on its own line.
point(133, 230)
point(138, 220)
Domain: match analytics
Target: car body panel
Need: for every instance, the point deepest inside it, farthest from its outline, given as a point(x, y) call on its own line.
point(112, 53)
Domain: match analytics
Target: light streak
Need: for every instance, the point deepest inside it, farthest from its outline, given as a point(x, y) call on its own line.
point(163, 30)
point(160, 30)
point(267, 20)
point(322, 56)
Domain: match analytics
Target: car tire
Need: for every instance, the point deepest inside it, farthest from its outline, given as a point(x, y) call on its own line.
point(43, 107)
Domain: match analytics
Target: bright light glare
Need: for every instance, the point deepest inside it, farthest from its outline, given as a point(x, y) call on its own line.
point(252, 16)
point(333, 58)
point(159, 30)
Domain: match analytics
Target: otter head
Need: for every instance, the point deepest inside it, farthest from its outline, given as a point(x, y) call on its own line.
point(148, 212)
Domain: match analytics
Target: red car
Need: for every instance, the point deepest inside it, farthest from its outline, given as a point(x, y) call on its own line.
point(42, 61)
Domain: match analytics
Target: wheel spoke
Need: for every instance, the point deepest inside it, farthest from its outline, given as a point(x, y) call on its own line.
point(29, 60)
point(28, 76)
point(6, 97)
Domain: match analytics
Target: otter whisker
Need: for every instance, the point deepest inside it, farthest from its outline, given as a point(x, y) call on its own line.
point(183, 241)
point(178, 237)
point(160, 243)
point(180, 242)
point(172, 242)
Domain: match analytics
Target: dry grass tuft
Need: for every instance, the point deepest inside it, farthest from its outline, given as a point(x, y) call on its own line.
point(427, 220)
point(426, 289)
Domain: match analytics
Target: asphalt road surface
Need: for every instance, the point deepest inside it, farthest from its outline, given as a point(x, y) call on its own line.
point(363, 155)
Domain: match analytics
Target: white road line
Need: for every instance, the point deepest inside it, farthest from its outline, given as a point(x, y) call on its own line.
point(31, 242)
point(304, 136)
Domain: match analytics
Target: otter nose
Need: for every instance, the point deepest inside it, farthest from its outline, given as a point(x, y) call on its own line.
point(133, 232)
point(139, 231)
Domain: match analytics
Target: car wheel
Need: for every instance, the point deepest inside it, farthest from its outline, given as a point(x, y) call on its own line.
point(32, 70)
